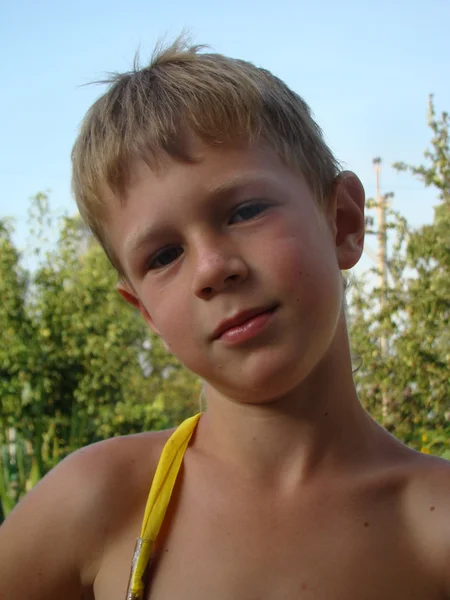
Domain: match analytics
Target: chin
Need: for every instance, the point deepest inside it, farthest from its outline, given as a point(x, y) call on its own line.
point(305, 364)
point(267, 386)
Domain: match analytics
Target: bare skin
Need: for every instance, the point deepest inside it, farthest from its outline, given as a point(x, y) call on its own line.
point(372, 529)
point(288, 489)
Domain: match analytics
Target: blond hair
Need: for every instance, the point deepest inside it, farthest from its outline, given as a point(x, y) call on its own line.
point(151, 110)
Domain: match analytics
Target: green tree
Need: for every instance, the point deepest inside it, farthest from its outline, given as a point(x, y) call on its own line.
point(415, 319)
point(15, 331)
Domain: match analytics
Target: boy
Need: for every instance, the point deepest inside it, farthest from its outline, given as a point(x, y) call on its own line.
point(215, 197)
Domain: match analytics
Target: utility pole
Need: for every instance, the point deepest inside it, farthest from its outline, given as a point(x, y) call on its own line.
point(381, 235)
point(381, 205)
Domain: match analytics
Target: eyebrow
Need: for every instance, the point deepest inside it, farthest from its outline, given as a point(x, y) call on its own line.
point(140, 237)
point(234, 184)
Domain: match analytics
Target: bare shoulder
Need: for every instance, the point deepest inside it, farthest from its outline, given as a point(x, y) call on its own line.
point(62, 527)
point(117, 464)
point(426, 503)
point(427, 493)
point(429, 477)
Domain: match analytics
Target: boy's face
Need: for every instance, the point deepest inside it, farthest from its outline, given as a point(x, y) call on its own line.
point(237, 235)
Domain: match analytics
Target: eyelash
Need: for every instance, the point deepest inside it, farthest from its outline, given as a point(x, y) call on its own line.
point(248, 206)
point(259, 204)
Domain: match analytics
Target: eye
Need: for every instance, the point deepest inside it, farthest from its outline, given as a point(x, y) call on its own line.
point(165, 257)
point(248, 211)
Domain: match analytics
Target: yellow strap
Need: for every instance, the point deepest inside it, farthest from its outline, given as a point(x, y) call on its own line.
point(158, 500)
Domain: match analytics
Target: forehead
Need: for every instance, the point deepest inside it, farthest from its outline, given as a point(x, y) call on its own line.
point(207, 166)
point(211, 171)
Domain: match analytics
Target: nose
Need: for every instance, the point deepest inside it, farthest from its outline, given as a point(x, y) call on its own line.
point(216, 268)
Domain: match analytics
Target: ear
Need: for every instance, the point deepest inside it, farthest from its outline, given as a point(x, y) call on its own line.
point(127, 291)
point(346, 211)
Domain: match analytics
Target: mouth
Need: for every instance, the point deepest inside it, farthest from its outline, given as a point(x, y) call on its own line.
point(243, 321)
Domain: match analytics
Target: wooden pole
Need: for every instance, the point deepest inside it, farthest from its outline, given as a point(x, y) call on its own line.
point(382, 270)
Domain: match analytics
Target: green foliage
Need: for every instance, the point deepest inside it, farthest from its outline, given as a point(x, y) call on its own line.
point(414, 375)
point(77, 364)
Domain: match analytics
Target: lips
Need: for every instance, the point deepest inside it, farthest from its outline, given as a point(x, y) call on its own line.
point(239, 319)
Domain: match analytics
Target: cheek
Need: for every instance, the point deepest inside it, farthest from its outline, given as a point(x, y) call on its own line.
point(165, 313)
point(306, 271)
point(173, 320)
point(170, 315)
point(293, 255)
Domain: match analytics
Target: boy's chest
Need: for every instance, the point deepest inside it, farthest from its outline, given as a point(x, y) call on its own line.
point(328, 552)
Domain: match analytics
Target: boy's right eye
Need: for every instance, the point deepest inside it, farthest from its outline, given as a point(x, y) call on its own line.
point(165, 257)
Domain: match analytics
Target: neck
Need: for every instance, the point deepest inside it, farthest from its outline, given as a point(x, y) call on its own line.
point(318, 427)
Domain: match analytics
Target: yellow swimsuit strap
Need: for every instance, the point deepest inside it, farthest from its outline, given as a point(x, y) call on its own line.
point(158, 500)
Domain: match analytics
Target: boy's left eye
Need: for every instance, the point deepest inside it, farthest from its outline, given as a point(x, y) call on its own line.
point(248, 211)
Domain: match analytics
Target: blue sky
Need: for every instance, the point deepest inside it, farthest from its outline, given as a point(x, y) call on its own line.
point(366, 69)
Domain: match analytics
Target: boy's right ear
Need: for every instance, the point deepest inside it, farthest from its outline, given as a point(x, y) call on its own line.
point(128, 293)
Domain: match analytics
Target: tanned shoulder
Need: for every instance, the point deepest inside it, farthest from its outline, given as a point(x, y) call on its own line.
point(427, 508)
point(61, 528)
